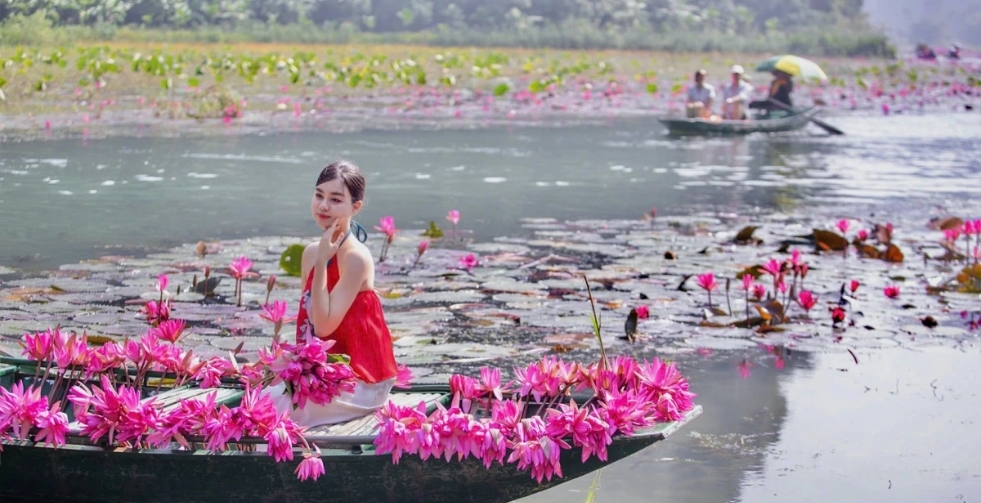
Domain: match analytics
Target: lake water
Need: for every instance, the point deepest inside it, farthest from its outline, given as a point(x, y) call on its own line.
point(62, 201)
point(899, 427)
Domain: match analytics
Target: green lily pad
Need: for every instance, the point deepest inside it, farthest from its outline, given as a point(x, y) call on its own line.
point(291, 260)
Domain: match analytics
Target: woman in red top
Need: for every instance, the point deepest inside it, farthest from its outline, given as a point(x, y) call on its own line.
point(339, 302)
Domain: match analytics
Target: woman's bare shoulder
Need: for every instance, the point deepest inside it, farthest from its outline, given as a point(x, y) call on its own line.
point(358, 256)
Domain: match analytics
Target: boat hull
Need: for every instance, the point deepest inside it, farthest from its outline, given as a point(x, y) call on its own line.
point(85, 474)
point(704, 127)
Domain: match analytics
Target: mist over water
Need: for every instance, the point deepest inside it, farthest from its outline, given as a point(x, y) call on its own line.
point(932, 22)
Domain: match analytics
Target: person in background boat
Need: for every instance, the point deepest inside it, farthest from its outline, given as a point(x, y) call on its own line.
point(780, 89)
point(954, 52)
point(736, 95)
point(339, 302)
point(700, 97)
point(924, 51)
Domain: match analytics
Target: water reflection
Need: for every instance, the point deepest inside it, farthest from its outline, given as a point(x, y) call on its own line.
point(898, 427)
point(715, 455)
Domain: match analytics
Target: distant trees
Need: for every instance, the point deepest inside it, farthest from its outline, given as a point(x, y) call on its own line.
point(829, 27)
point(418, 15)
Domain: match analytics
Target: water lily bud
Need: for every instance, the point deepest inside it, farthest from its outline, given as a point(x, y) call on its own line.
point(271, 283)
point(423, 246)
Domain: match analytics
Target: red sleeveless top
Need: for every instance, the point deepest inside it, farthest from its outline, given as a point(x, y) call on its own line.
point(362, 334)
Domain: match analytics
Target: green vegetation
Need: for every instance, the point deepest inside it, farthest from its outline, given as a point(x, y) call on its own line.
point(815, 27)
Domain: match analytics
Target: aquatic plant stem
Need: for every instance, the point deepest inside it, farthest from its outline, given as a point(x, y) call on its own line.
point(728, 304)
point(597, 326)
point(747, 305)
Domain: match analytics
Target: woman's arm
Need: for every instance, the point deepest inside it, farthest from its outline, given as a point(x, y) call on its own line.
point(329, 307)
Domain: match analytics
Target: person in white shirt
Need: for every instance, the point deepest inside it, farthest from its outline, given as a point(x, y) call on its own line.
point(700, 97)
point(735, 95)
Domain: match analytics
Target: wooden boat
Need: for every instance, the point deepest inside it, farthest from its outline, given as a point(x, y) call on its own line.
point(682, 127)
point(81, 472)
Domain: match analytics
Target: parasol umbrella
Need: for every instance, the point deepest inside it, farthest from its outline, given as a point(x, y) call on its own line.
point(798, 67)
point(793, 65)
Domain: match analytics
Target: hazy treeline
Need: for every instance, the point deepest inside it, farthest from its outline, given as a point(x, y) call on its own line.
point(814, 26)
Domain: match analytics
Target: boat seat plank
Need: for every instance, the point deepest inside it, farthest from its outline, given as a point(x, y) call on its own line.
point(366, 425)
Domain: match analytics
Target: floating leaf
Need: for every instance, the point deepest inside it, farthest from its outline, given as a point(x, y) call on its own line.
point(99, 340)
point(652, 88)
point(291, 260)
point(867, 250)
point(970, 279)
point(771, 312)
point(746, 234)
point(892, 254)
point(501, 89)
point(945, 223)
point(433, 231)
point(829, 241)
point(754, 270)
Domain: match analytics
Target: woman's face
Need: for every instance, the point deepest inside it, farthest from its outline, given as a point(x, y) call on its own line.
point(332, 202)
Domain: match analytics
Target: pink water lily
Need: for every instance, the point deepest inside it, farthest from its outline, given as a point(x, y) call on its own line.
point(52, 426)
point(453, 216)
point(469, 261)
point(843, 225)
point(420, 250)
point(20, 409)
point(807, 300)
point(156, 313)
point(387, 225)
point(759, 291)
point(38, 346)
point(312, 467)
point(643, 312)
point(773, 267)
point(837, 315)
point(863, 235)
point(276, 314)
point(707, 282)
point(162, 282)
point(747, 282)
point(853, 285)
point(170, 330)
point(270, 285)
point(239, 268)
point(891, 291)
point(403, 379)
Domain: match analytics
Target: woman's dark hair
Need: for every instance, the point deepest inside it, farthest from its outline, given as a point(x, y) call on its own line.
point(349, 173)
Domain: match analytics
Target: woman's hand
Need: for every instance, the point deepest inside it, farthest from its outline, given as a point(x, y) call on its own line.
point(328, 246)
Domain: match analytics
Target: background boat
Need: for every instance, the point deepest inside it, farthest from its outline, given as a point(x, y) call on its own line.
point(730, 127)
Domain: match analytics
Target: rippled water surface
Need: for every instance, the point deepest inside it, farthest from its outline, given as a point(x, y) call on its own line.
point(61, 201)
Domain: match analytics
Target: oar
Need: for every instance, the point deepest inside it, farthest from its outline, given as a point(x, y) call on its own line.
point(820, 123)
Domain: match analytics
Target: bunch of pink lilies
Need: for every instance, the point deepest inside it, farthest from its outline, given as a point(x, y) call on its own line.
point(530, 420)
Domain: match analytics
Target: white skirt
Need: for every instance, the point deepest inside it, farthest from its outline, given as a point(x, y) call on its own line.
point(366, 399)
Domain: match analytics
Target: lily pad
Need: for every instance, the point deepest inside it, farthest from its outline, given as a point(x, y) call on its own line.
point(290, 260)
